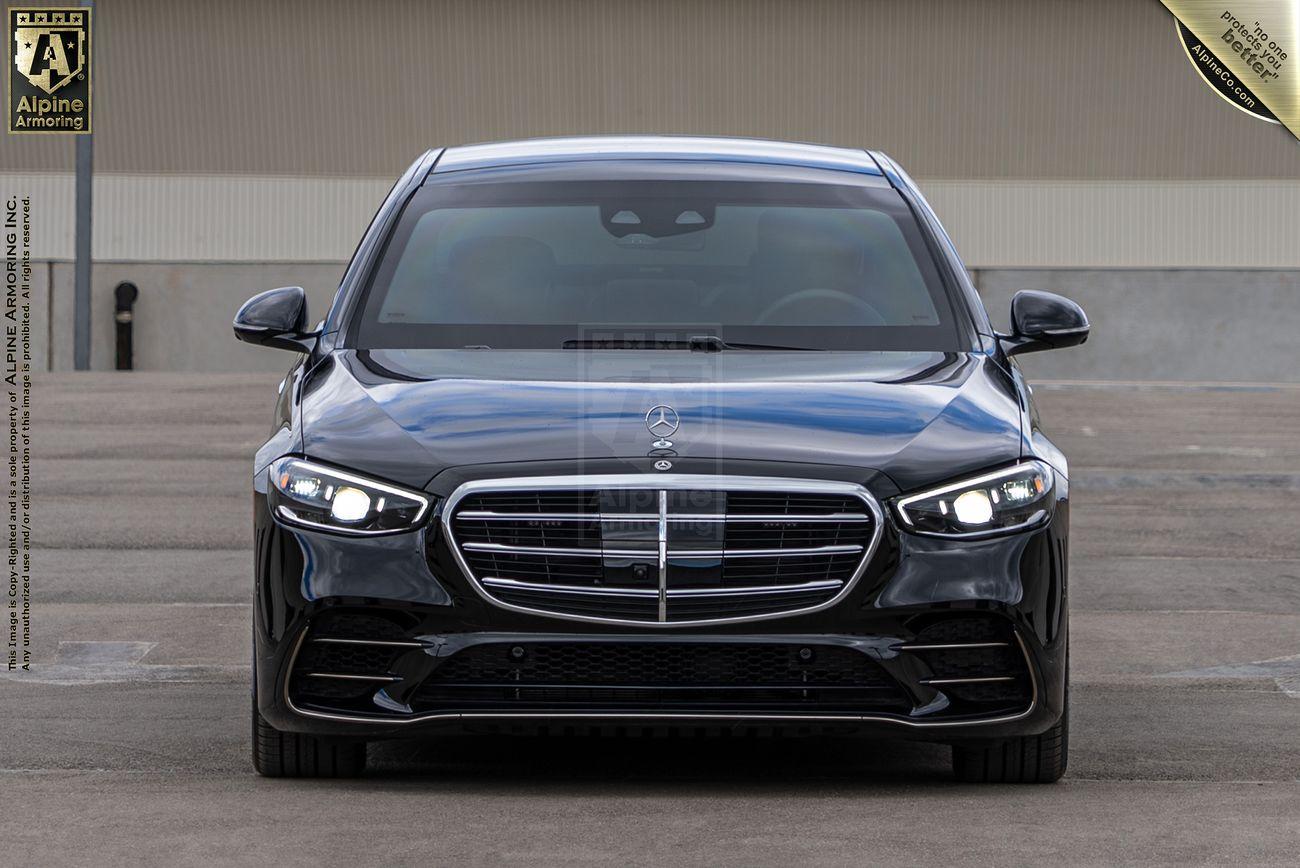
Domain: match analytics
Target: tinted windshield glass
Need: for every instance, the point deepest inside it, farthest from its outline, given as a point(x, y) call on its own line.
point(549, 264)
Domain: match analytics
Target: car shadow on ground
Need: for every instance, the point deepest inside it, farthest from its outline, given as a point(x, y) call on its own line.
point(509, 761)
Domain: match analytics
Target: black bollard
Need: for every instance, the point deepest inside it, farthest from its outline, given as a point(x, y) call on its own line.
point(126, 293)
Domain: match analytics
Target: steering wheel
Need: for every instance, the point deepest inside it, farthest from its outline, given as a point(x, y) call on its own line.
point(873, 316)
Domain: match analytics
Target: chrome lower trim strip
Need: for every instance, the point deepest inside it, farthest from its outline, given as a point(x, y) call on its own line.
point(502, 548)
point(661, 482)
point(489, 515)
point(516, 585)
point(811, 551)
point(953, 646)
point(665, 716)
point(757, 590)
point(731, 518)
point(671, 593)
point(384, 642)
point(386, 679)
point(807, 552)
point(985, 680)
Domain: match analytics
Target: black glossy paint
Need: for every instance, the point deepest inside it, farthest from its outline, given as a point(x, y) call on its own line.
point(1044, 321)
point(408, 416)
point(275, 318)
point(432, 419)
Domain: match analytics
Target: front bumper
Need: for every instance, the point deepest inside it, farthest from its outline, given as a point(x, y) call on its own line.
point(438, 655)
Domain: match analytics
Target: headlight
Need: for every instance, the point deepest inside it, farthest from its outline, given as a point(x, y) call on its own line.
point(320, 497)
point(1010, 499)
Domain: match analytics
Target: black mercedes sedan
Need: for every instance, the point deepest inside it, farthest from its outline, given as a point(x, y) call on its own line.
point(659, 433)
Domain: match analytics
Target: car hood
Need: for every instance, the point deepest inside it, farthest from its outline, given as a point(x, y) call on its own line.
point(407, 415)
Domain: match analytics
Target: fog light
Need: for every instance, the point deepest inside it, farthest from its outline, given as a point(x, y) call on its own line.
point(350, 504)
point(973, 507)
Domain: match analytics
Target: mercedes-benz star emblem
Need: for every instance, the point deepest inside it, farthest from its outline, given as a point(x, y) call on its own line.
point(662, 422)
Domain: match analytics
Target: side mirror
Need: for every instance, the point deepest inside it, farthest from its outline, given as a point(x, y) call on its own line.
point(276, 318)
point(1044, 321)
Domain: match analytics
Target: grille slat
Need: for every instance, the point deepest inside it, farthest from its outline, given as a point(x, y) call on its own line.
point(774, 546)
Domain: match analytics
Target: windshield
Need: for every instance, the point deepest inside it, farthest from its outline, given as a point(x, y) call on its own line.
point(661, 264)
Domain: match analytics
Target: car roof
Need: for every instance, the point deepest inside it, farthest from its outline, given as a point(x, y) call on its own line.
point(659, 148)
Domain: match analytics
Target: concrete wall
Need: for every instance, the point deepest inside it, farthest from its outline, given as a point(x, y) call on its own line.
point(1148, 324)
point(183, 316)
point(1037, 222)
point(1011, 89)
point(1157, 324)
point(257, 155)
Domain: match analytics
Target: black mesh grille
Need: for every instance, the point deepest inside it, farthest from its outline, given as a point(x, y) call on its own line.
point(654, 675)
point(314, 688)
point(771, 503)
point(1004, 660)
point(361, 625)
point(534, 501)
point(349, 643)
point(346, 659)
point(961, 630)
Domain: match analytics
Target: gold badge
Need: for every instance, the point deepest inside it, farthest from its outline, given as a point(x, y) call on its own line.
point(49, 81)
point(1247, 51)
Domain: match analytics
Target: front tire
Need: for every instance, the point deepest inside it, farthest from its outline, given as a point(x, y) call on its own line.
point(1031, 759)
point(278, 754)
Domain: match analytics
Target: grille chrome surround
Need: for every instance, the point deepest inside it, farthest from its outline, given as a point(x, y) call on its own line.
point(827, 592)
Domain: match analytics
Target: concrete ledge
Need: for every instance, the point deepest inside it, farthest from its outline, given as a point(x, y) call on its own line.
point(1211, 325)
point(1165, 324)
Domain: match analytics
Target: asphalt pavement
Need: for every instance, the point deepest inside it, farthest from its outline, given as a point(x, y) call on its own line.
point(127, 744)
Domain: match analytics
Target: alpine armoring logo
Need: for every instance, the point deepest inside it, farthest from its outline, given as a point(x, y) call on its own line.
point(49, 78)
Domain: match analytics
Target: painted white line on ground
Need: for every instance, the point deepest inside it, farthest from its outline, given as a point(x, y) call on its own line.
point(1285, 672)
point(1193, 385)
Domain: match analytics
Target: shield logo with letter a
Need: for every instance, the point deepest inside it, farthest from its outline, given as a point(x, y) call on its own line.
point(50, 47)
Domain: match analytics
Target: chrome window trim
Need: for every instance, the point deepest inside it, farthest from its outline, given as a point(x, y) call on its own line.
point(675, 481)
point(452, 716)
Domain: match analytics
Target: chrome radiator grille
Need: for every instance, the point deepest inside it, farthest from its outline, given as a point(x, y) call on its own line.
point(676, 549)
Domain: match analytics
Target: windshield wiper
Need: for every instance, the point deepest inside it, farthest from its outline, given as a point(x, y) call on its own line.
point(715, 344)
point(696, 343)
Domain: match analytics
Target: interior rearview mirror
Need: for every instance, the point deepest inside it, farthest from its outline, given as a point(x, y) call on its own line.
point(1044, 321)
point(276, 318)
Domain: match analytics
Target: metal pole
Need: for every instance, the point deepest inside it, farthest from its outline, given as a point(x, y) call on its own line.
point(81, 286)
point(81, 291)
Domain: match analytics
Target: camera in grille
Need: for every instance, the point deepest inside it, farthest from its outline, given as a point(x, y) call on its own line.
point(726, 553)
point(687, 675)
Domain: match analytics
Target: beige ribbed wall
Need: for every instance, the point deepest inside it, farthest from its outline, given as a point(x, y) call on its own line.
point(994, 223)
point(955, 89)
